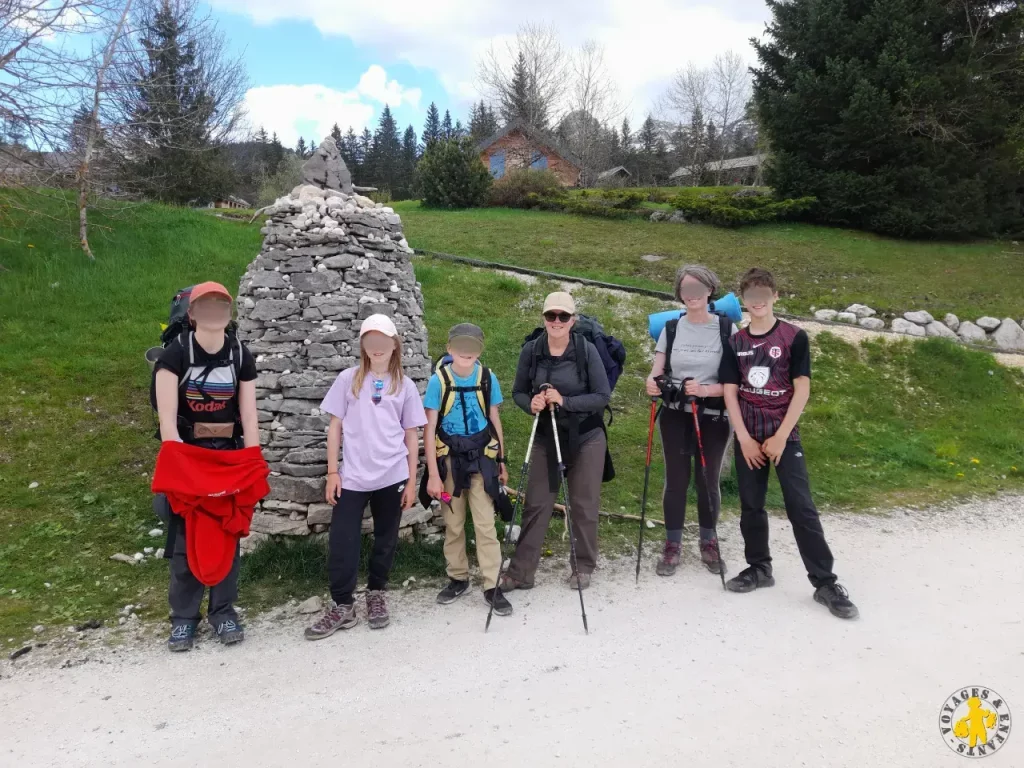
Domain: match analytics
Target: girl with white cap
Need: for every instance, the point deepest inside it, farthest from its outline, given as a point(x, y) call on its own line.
point(378, 410)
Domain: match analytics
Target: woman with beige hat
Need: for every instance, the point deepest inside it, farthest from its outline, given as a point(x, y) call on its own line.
point(577, 385)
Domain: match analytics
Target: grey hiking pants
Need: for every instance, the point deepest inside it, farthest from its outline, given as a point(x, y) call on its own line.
point(584, 480)
point(186, 591)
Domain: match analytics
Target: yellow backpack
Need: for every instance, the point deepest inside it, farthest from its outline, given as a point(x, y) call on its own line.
point(481, 388)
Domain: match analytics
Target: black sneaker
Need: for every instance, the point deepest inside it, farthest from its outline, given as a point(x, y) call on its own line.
point(502, 607)
point(452, 592)
point(750, 579)
point(837, 599)
point(182, 637)
point(230, 632)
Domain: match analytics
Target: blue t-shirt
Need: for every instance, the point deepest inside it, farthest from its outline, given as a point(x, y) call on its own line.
point(453, 423)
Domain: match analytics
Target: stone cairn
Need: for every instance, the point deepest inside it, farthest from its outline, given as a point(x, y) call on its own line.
point(331, 258)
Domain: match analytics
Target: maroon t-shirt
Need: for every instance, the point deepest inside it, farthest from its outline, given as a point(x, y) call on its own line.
point(763, 367)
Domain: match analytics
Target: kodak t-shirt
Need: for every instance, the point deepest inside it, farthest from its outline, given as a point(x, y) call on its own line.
point(764, 367)
point(209, 393)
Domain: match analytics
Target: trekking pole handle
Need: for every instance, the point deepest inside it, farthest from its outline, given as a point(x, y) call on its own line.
point(691, 399)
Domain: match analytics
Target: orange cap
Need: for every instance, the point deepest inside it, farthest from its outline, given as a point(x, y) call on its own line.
point(208, 289)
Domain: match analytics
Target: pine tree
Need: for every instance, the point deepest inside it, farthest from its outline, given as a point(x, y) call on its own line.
point(171, 113)
point(614, 147)
point(386, 154)
point(700, 150)
point(647, 139)
point(364, 158)
point(459, 130)
point(276, 154)
point(336, 135)
point(897, 116)
point(521, 101)
point(447, 131)
point(410, 155)
point(432, 126)
point(300, 148)
point(482, 122)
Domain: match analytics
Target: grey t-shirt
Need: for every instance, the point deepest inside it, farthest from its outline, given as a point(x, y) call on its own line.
point(697, 351)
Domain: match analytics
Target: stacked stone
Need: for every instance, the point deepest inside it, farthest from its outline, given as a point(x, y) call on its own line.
point(329, 260)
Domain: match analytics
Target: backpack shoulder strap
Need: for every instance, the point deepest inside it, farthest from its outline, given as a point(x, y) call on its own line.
point(725, 327)
point(582, 358)
point(485, 390)
point(445, 375)
point(670, 339)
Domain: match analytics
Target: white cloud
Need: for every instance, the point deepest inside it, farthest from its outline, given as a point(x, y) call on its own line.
point(311, 110)
point(645, 43)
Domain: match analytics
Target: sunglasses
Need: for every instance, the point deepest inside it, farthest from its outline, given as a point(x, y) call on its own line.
point(561, 317)
point(378, 391)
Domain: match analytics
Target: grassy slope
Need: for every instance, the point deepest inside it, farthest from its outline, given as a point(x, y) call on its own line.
point(885, 421)
point(810, 262)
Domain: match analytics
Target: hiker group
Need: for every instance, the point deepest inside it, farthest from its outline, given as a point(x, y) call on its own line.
point(710, 382)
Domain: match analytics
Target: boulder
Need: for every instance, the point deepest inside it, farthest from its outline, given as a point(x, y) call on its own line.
point(825, 314)
point(326, 168)
point(952, 321)
point(306, 490)
point(988, 324)
point(846, 317)
point(677, 217)
point(861, 310)
point(659, 216)
point(920, 317)
point(971, 333)
point(939, 329)
point(275, 525)
point(871, 323)
point(1009, 335)
point(899, 325)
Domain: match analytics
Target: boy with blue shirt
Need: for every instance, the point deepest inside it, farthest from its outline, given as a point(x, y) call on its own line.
point(463, 443)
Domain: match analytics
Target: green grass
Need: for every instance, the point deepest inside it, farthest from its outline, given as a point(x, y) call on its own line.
point(885, 420)
point(816, 266)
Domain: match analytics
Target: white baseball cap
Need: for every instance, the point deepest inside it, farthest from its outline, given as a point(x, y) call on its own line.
point(379, 323)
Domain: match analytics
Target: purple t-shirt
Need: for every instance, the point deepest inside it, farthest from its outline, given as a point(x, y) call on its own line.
point(373, 448)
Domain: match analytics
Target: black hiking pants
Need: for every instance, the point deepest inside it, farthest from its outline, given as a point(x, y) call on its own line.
point(803, 515)
point(185, 593)
point(346, 539)
point(679, 443)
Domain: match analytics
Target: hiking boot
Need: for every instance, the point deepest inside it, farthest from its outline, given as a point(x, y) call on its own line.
point(750, 579)
point(837, 599)
point(452, 592)
point(230, 632)
point(508, 584)
point(377, 609)
point(579, 581)
point(669, 559)
point(502, 607)
point(182, 637)
point(335, 618)
point(709, 556)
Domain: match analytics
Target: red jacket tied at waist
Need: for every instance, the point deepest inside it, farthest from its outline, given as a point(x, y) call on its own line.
point(215, 492)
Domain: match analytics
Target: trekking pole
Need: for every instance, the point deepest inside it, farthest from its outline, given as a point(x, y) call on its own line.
point(692, 400)
point(523, 474)
point(568, 513)
point(647, 477)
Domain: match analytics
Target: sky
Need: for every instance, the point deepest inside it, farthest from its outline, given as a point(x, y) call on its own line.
point(313, 63)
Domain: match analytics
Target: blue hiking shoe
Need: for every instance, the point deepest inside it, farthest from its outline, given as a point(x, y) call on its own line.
point(182, 637)
point(230, 632)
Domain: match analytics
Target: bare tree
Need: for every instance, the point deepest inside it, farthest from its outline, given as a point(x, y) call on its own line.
point(528, 79)
point(730, 79)
point(593, 104)
point(689, 95)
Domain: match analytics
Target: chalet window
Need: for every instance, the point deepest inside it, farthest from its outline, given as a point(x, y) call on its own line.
point(498, 164)
point(539, 161)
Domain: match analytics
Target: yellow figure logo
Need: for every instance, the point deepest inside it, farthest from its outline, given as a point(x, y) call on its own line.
point(975, 727)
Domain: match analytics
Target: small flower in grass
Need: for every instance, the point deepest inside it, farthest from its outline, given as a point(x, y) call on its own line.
point(952, 463)
point(959, 474)
point(30, 245)
point(1013, 469)
point(975, 461)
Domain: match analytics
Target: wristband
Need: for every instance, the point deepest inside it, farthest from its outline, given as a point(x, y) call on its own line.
point(500, 460)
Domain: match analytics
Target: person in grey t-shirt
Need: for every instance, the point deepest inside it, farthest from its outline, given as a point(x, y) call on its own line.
point(695, 355)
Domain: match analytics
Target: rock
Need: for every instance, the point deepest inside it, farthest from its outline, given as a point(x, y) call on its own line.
point(139, 557)
point(318, 282)
point(274, 525)
point(872, 323)
point(297, 489)
point(19, 653)
point(268, 280)
point(1009, 335)
point(861, 310)
point(147, 551)
point(122, 558)
point(971, 333)
point(652, 258)
point(825, 314)
point(253, 540)
point(319, 514)
point(156, 532)
point(159, 553)
point(38, 629)
point(90, 624)
point(326, 168)
point(920, 317)
point(311, 605)
point(988, 324)
point(936, 328)
point(659, 216)
point(899, 325)
point(33, 486)
point(416, 515)
point(952, 321)
point(677, 217)
point(274, 309)
point(846, 317)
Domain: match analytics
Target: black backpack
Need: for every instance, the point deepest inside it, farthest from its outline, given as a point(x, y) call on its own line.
point(724, 328)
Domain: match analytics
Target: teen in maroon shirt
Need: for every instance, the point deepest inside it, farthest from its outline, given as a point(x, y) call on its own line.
point(766, 372)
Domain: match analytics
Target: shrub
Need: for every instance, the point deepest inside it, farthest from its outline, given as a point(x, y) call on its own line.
point(513, 190)
point(736, 209)
point(451, 175)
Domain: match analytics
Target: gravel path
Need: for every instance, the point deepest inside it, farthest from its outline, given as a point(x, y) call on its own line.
point(675, 670)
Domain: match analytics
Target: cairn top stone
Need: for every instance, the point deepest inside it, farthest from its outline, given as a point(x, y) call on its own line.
point(326, 168)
